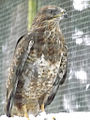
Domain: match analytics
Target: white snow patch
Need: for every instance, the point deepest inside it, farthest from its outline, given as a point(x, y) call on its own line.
point(58, 116)
point(80, 4)
point(81, 75)
point(81, 38)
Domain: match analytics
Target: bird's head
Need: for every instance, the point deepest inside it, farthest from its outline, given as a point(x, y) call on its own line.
point(49, 14)
point(52, 13)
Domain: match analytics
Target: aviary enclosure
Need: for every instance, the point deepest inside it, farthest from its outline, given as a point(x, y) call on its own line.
point(15, 20)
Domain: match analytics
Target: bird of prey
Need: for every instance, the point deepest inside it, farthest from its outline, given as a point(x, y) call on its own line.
point(38, 65)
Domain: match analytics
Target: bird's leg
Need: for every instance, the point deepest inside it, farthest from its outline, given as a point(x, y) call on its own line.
point(42, 107)
point(25, 112)
point(54, 118)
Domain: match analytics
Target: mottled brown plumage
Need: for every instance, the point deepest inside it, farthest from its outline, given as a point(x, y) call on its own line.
point(38, 65)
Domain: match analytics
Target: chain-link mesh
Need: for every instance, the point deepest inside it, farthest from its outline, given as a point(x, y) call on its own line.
point(73, 95)
point(13, 24)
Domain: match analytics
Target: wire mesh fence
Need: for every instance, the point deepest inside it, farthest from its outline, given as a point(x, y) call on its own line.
point(73, 95)
point(13, 24)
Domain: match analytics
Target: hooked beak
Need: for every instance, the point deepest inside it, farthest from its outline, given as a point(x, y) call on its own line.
point(62, 14)
point(65, 15)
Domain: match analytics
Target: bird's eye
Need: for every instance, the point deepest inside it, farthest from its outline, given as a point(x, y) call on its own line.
point(52, 11)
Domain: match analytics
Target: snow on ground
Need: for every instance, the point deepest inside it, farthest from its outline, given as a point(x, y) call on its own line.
point(58, 116)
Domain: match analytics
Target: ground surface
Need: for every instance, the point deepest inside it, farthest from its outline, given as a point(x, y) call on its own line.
point(58, 116)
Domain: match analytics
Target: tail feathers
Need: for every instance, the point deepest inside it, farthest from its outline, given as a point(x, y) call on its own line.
point(9, 105)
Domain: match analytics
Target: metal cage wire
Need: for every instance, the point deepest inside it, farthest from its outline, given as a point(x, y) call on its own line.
point(73, 95)
point(13, 24)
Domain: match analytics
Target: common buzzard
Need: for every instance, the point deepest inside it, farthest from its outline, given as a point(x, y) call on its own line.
point(38, 65)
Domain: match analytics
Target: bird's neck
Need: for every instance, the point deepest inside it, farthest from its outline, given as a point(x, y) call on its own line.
point(52, 25)
point(45, 24)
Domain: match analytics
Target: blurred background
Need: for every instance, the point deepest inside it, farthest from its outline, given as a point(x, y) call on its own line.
point(15, 20)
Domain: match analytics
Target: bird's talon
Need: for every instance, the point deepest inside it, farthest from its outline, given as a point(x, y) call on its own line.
point(25, 112)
